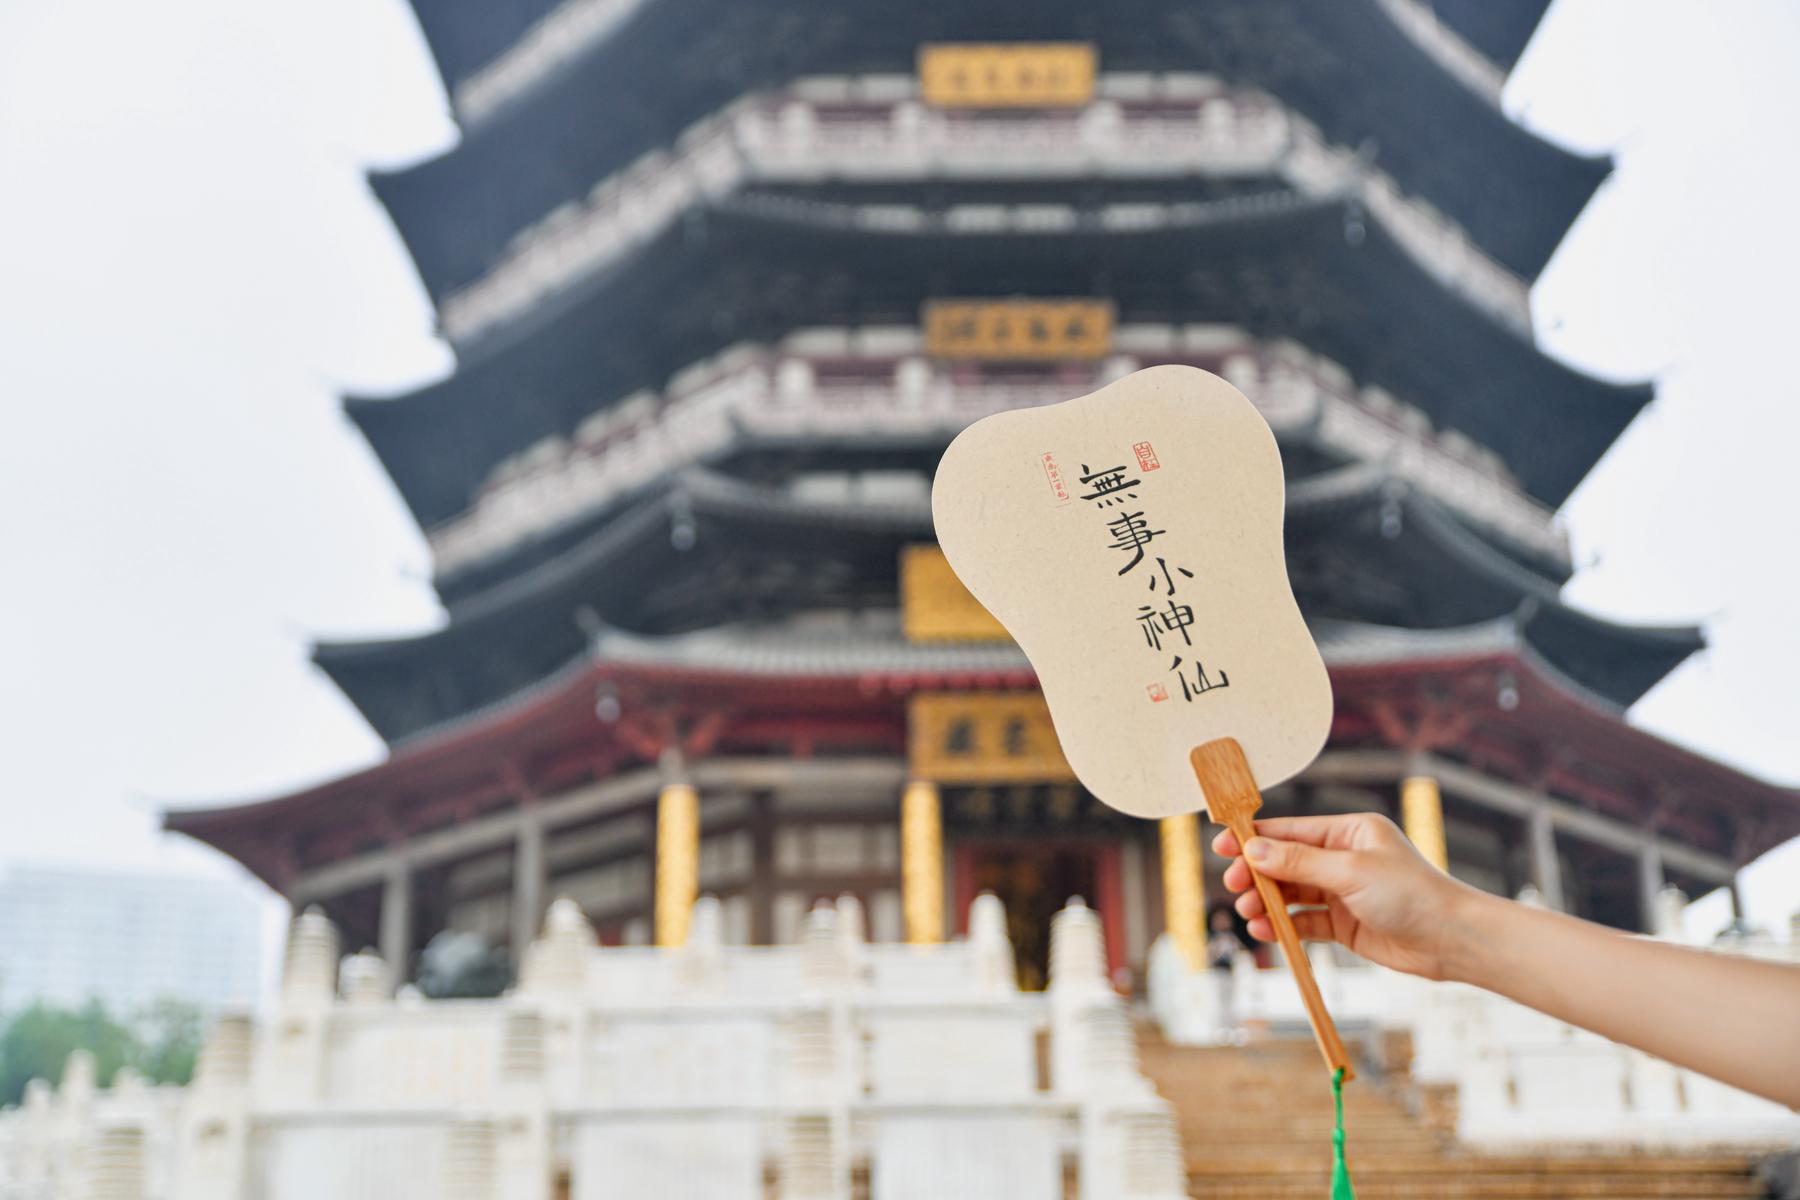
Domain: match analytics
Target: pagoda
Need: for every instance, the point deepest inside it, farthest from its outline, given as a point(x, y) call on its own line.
point(724, 279)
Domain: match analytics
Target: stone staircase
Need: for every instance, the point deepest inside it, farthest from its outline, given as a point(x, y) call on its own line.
point(1256, 1122)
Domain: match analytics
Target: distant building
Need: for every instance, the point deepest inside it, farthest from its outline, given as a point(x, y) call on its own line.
point(71, 935)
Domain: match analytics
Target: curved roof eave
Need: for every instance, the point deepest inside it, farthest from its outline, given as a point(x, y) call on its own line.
point(1613, 661)
point(465, 37)
point(1350, 649)
point(468, 577)
point(1499, 31)
point(696, 489)
point(1549, 480)
point(365, 671)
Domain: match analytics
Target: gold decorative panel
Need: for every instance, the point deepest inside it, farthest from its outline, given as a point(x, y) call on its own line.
point(1015, 330)
point(935, 606)
point(1007, 75)
point(922, 862)
point(986, 737)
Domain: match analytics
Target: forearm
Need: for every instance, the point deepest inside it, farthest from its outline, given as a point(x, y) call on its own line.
point(1733, 1018)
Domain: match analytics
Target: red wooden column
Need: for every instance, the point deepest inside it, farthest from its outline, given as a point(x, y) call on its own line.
point(1110, 900)
point(963, 887)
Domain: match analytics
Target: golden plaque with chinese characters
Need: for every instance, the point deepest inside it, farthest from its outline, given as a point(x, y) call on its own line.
point(987, 737)
point(1007, 75)
point(1023, 330)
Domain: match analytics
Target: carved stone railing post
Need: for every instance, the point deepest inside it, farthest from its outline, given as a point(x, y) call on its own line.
point(213, 1134)
point(522, 1153)
point(363, 979)
point(554, 980)
point(469, 1160)
point(990, 946)
point(113, 1166)
point(299, 1037)
point(309, 969)
point(701, 966)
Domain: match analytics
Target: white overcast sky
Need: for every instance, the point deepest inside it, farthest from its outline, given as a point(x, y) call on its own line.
point(193, 271)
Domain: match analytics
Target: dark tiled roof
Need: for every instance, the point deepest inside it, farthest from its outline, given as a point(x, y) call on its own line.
point(1433, 572)
point(1499, 29)
point(757, 268)
point(1346, 65)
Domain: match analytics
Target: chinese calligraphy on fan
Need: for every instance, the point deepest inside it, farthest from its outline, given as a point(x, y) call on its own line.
point(1133, 533)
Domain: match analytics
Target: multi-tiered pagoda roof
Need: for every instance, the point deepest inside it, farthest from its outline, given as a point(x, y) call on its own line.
point(687, 254)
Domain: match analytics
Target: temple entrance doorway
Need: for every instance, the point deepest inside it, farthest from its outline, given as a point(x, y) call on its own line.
point(1035, 878)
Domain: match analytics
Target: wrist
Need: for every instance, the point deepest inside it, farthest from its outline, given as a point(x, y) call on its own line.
point(1469, 935)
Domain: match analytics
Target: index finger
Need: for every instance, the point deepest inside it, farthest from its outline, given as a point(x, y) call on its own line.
point(1332, 831)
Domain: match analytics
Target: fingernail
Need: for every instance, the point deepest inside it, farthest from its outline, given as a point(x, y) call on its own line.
point(1257, 849)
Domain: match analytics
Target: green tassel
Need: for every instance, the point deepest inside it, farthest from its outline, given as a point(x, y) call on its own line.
point(1341, 1188)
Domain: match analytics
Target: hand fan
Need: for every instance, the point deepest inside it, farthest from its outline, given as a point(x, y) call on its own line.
point(1130, 541)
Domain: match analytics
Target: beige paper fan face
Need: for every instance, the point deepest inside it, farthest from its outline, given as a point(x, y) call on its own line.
point(1131, 542)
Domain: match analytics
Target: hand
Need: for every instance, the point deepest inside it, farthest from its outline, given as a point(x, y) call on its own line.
point(1374, 893)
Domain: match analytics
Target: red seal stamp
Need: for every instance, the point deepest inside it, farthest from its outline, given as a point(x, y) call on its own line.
point(1058, 486)
point(1146, 456)
point(1158, 693)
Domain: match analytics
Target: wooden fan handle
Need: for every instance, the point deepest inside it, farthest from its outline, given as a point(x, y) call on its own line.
point(1233, 799)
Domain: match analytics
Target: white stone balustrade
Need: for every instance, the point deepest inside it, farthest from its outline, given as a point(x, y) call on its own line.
point(875, 385)
point(1521, 1079)
point(1128, 1142)
point(1138, 126)
point(688, 1072)
point(85, 1143)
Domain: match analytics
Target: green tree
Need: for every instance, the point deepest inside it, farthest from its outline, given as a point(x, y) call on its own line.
point(38, 1041)
point(169, 1036)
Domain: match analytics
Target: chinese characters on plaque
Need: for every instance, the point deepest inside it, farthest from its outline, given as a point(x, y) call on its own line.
point(983, 738)
point(1018, 330)
point(1007, 75)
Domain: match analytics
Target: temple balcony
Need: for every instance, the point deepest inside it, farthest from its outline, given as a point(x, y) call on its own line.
point(875, 388)
point(873, 129)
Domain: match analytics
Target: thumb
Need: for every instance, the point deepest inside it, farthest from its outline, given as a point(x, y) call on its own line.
point(1296, 862)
